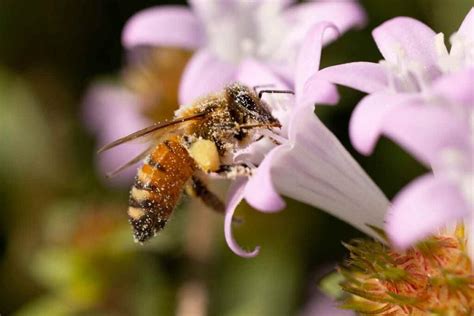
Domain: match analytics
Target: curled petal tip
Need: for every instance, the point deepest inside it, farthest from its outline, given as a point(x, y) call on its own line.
point(232, 243)
point(310, 53)
point(236, 194)
point(245, 254)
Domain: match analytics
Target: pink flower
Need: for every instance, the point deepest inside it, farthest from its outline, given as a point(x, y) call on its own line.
point(420, 96)
point(446, 196)
point(226, 33)
point(308, 163)
point(146, 92)
point(111, 111)
point(415, 58)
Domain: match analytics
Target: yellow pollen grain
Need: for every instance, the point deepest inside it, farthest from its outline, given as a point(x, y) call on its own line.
point(205, 153)
point(135, 213)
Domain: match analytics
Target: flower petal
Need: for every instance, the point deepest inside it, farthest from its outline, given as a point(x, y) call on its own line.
point(457, 87)
point(317, 91)
point(404, 37)
point(363, 76)
point(253, 73)
point(424, 206)
point(368, 119)
point(343, 14)
point(201, 6)
point(310, 54)
point(101, 100)
point(204, 74)
point(235, 196)
point(425, 130)
point(259, 191)
point(317, 169)
point(164, 26)
point(466, 30)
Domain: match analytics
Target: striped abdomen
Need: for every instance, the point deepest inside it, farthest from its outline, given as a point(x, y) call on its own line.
point(158, 187)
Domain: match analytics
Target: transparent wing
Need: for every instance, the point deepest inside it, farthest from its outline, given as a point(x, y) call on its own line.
point(155, 131)
point(130, 163)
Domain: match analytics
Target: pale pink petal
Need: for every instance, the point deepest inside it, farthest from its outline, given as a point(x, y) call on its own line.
point(235, 196)
point(204, 74)
point(407, 38)
point(457, 87)
point(364, 76)
point(466, 30)
point(254, 73)
point(112, 112)
point(316, 169)
point(225, 6)
point(286, 71)
point(260, 192)
point(422, 208)
point(164, 26)
point(310, 54)
point(425, 130)
point(343, 14)
point(370, 115)
point(317, 91)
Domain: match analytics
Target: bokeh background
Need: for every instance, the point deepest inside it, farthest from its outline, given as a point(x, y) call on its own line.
point(65, 243)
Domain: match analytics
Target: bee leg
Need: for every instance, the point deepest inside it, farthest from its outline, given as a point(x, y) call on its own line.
point(234, 171)
point(199, 189)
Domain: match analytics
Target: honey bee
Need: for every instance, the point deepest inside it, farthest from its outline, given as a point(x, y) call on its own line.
point(198, 141)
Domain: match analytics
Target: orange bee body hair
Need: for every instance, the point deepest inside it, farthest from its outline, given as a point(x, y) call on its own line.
point(158, 187)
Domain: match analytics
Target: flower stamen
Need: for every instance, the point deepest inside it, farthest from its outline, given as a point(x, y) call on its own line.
point(436, 276)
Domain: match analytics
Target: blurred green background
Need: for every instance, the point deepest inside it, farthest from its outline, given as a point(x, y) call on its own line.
point(65, 243)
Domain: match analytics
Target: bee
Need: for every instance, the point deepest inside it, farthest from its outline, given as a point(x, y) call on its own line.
point(198, 141)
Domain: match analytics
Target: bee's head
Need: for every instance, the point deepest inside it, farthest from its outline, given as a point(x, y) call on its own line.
point(247, 109)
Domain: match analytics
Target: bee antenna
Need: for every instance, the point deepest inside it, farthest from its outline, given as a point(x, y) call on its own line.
point(255, 88)
point(249, 126)
point(274, 92)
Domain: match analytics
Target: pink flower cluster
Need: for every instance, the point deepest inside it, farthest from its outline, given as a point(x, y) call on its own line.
point(272, 43)
point(420, 95)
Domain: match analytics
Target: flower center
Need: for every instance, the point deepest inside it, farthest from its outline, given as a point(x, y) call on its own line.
point(405, 75)
point(246, 29)
point(460, 56)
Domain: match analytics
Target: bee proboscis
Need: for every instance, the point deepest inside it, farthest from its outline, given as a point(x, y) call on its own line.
point(199, 141)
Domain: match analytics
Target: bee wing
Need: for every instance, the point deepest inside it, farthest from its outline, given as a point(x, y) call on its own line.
point(156, 131)
point(130, 163)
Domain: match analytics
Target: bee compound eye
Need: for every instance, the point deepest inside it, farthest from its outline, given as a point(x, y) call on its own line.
point(247, 102)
